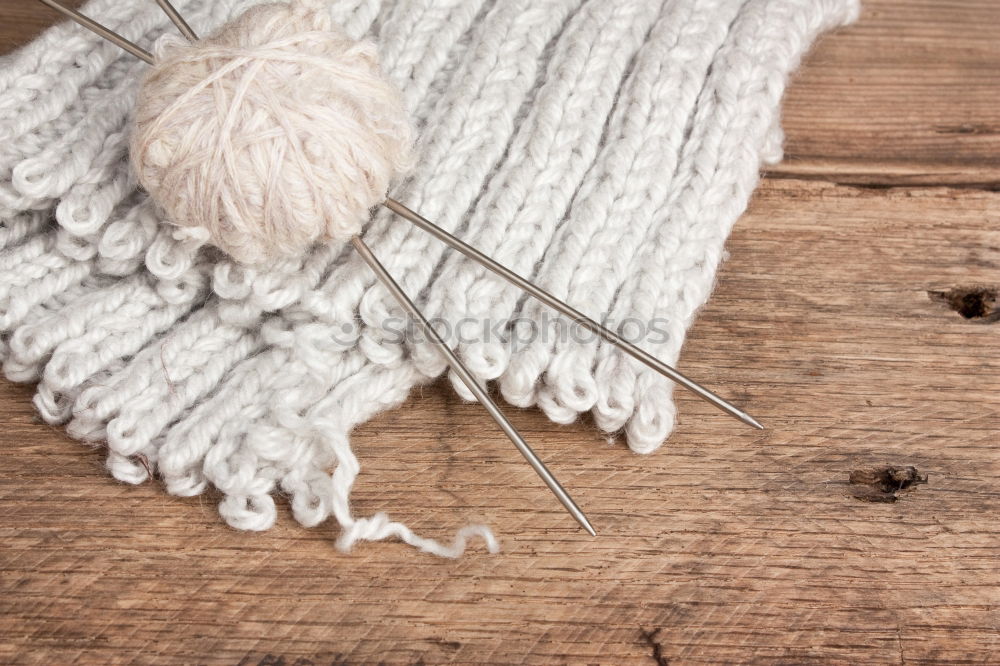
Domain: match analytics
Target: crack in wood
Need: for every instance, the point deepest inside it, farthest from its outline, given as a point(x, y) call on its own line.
point(654, 644)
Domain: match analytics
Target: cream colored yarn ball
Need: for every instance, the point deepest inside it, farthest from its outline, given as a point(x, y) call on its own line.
point(277, 132)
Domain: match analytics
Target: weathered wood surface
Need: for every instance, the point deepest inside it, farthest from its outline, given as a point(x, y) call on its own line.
point(726, 545)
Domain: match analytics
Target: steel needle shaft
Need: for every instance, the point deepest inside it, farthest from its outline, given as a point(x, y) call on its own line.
point(457, 244)
point(470, 381)
point(177, 20)
point(384, 277)
point(97, 28)
point(453, 360)
point(577, 316)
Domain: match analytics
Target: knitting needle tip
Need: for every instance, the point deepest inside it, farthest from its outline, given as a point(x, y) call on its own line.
point(750, 421)
point(727, 407)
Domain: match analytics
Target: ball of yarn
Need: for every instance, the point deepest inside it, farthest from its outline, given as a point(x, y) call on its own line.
point(277, 132)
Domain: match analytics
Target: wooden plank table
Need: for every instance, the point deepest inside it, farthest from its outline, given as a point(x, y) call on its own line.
point(726, 545)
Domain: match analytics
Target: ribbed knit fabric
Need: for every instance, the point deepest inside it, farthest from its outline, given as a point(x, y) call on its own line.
point(602, 148)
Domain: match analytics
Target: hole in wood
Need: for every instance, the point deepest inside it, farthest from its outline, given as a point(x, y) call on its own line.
point(883, 484)
point(970, 302)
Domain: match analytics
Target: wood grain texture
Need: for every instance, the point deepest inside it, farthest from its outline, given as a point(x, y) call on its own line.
point(908, 95)
point(726, 545)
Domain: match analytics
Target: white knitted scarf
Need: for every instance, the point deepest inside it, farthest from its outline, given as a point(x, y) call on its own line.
point(602, 148)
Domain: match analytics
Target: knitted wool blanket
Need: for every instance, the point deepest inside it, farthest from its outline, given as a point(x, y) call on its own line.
point(601, 148)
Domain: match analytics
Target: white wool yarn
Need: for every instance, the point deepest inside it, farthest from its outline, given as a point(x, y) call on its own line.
point(274, 133)
point(601, 148)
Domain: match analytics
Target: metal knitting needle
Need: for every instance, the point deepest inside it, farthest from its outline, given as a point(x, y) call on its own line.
point(577, 316)
point(456, 364)
point(477, 390)
point(99, 29)
point(395, 290)
point(177, 20)
point(469, 251)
